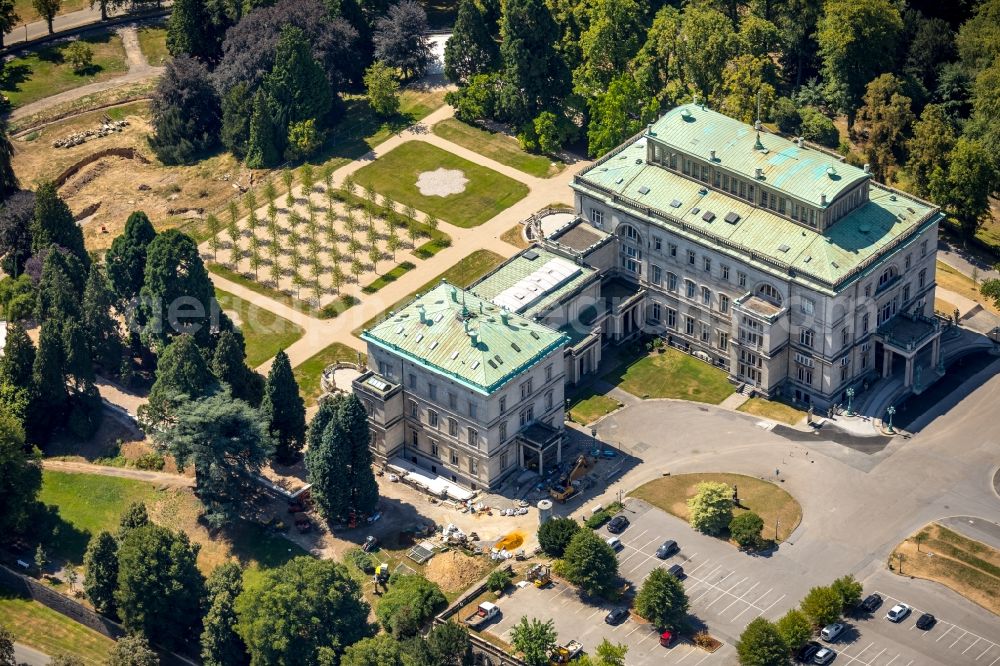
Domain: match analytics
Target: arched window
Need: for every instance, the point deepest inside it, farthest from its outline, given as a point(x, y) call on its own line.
point(630, 233)
point(888, 275)
point(769, 293)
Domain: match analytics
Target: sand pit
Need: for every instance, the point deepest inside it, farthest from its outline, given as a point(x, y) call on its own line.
point(441, 182)
point(455, 571)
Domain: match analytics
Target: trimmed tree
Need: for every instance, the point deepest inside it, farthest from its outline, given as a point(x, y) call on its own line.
point(662, 600)
point(220, 644)
point(822, 606)
point(745, 530)
point(795, 629)
point(283, 410)
point(101, 579)
point(590, 563)
point(711, 509)
point(761, 644)
point(160, 589)
point(555, 534)
point(306, 611)
point(409, 602)
point(534, 639)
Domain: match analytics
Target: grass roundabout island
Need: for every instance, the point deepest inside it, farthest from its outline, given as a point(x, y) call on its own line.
point(773, 504)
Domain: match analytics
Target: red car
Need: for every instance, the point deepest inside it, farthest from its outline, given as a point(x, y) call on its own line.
point(667, 639)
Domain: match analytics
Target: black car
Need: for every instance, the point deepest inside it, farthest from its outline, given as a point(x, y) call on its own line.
point(677, 571)
point(618, 524)
point(667, 549)
point(926, 621)
point(871, 603)
point(807, 652)
point(616, 616)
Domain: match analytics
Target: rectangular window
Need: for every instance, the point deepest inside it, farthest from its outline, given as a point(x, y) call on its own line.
point(689, 288)
point(383, 368)
point(723, 340)
point(868, 291)
point(763, 199)
point(723, 303)
point(657, 243)
point(906, 292)
point(525, 389)
point(655, 274)
point(741, 279)
point(452, 400)
point(671, 318)
point(706, 332)
point(706, 296)
point(781, 205)
point(411, 380)
point(845, 336)
point(504, 460)
point(922, 278)
point(473, 467)
point(671, 282)
point(923, 248)
point(864, 323)
point(414, 410)
point(806, 337)
point(527, 415)
point(691, 257)
point(805, 375)
point(844, 370)
point(597, 217)
point(671, 249)
point(503, 430)
point(434, 449)
point(725, 272)
point(503, 404)
point(432, 391)
point(414, 439)
point(453, 427)
point(454, 457)
point(743, 189)
point(473, 437)
point(432, 418)
point(906, 263)
point(707, 264)
point(654, 312)
point(808, 306)
point(548, 373)
point(548, 400)
point(689, 325)
point(631, 265)
point(473, 408)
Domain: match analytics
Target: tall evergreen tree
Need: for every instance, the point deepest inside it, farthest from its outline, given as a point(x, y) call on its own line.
point(8, 179)
point(229, 366)
point(160, 589)
point(186, 112)
point(284, 410)
point(226, 442)
point(17, 214)
point(103, 334)
point(237, 107)
point(175, 277)
point(187, 30)
point(20, 479)
point(54, 224)
point(48, 380)
point(101, 563)
point(327, 457)
point(297, 83)
point(220, 644)
point(78, 367)
point(535, 76)
point(18, 357)
point(181, 374)
point(361, 480)
point(264, 144)
point(126, 259)
point(59, 292)
point(471, 49)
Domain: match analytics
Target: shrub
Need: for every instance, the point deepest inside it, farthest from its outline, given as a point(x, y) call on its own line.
point(745, 530)
point(362, 560)
point(818, 128)
point(408, 604)
point(598, 518)
point(590, 563)
point(80, 56)
point(554, 535)
point(498, 580)
point(152, 461)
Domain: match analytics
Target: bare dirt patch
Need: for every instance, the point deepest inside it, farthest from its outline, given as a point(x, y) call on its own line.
point(441, 182)
point(455, 571)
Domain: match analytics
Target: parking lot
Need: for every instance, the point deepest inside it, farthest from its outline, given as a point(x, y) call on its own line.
point(576, 619)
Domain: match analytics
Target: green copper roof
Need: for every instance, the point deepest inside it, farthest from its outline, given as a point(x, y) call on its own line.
point(760, 237)
point(803, 173)
point(456, 334)
point(521, 266)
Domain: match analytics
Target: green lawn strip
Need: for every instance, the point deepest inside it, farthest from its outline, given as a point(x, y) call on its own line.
point(50, 632)
point(463, 273)
point(777, 411)
point(265, 333)
point(587, 407)
point(672, 374)
point(498, 147)
point(308, 373)
point(153, 44)
point(486, 193)
point(767, 500)
point(87, 504)
point(44, 73)
point(26, 12)
point(389, 277)
point(328, 311)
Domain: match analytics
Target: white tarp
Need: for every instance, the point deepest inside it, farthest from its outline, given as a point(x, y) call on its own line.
point(436, 485)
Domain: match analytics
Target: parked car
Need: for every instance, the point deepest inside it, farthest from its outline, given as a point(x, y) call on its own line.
point(824, 656)
point(618, 524)
point(871, 603)
point(926, 621)
point(616, 616)
point(677, 571)
point(808, 651)
point(614, 542)
point(666, 549)
point(370, 544)
point(831, 631)
point(897, 613)
point(667, 639)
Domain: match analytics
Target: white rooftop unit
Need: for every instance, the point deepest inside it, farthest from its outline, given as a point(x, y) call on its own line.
point(528, 290)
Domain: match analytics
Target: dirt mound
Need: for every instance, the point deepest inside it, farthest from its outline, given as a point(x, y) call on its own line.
point(455, 571)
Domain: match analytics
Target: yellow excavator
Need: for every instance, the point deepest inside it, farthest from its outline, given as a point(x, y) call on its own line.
point(563, 489)
point(540, 575)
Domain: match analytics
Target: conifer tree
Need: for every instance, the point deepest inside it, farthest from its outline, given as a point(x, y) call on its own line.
point(220, 644)
point(134, 517)
point(47, 378)
point(471, 49)
point(363, 487)
point(126, 260)
point(187, 28)
point(262, 149)
point(181, 374)
point(103, 334)
point(229, 366)
point(101, 563)
point(8, 179)
point(327, 459)
point(175, 274)
point(54, 224)
point(284, 411)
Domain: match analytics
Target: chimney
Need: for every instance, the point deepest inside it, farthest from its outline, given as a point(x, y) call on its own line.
point(504, 316)
point(711, 154)
point(474, 338)
point(800, 142)
point(822, 200)
point(454, 294)
point(868, 168)
point(423, 313)
point(760, 173)
point(756, 125)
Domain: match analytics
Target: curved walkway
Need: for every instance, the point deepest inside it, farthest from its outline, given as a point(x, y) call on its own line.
point(139, 69)
point(161, 478)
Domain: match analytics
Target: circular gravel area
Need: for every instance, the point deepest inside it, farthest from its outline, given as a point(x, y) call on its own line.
point(441, 182)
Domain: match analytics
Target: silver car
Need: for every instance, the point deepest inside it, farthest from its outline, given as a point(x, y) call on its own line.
point(824, 656)
point(898, 613)
point(831, 631)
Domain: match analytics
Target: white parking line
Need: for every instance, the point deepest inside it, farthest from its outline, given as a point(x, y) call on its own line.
point(594, 613)
point(945, 633)
point(892, 660)
point(875, 657)
point(634, 629)
point(752, 604)
point(858, 655)
point(951, 626)
point(699, 566)
point(968, 648)
point(994, 661)
point(704, 658)
point(648, 634)
point(740, 598)
point(729, 592)
point(958, 639)
point(988, 648)
point(771, 606)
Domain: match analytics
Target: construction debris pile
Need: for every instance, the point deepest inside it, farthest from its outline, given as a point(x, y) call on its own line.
point(107, 126)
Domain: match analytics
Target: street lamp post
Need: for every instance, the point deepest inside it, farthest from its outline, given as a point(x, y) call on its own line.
point(890, 411)
point(593, 437)
point(850, 399)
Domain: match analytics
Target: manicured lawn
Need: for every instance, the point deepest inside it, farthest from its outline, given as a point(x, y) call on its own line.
point(767, 500)
point(770, 409)
point(486, 193)
point(672, 374)
point(53, 633)
point(462, 274)
point(153, 43)
point(497, 146)
point(25, 9)
point(388, 277)
point(587, 407)
point(308, 373)
point(952, 280)
point(968, 567)
point(265, 332)
point(42, 73)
